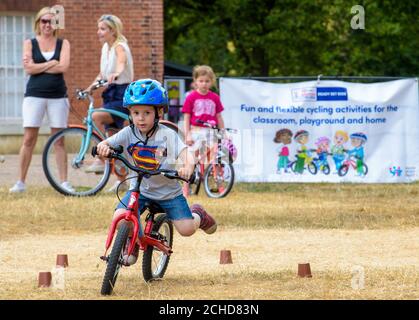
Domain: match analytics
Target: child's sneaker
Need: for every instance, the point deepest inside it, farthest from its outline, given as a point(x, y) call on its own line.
point(18, 187)
point(208, 223)
point(130, 260)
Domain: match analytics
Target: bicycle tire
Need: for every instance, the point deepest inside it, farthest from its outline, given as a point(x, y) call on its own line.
point(343, 170)
point(84, 184)
point(210, 185)
point(150, 272)
point(312, 168)
point(365, 169)
point(326, 169)
point(174, 127)
point(115, 259)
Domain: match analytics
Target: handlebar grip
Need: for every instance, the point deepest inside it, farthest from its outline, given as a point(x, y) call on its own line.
point(94, 151)
point(118, 150)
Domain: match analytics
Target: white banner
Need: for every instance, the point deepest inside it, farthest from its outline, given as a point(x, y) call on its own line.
point(327, 131)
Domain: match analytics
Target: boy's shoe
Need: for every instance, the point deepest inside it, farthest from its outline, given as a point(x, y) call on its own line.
point(130, 260)
point(208, 223)
point(18, 187)
point(96, 167)
point(66, 185)
point(123, 186)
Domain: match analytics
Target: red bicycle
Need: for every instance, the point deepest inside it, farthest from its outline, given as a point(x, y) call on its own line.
point(156, 240)
point(218, 176)
point(349, 162)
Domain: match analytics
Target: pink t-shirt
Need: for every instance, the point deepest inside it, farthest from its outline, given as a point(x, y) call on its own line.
point(202, 107)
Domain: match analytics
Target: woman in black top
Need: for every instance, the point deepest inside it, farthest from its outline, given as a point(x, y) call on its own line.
point(45, 59)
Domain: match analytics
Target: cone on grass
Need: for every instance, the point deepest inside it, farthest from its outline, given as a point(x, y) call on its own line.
point(225, 257)
point(44, 279)
point(304, 270)
point(62, 260)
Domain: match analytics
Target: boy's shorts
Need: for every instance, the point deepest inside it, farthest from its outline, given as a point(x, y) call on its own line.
point(34, 109)
point(176, 208)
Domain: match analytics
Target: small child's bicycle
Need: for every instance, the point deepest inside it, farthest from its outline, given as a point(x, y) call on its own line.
point(156, 239)
point(218, 177)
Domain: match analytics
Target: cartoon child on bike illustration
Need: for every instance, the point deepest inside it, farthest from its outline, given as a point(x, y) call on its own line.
point(303, 156)
point(338, 155)
point(358, 139)
point(322, 151)
point(283, 136)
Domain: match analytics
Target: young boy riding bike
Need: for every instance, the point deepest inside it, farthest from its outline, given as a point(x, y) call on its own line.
point(151, 146)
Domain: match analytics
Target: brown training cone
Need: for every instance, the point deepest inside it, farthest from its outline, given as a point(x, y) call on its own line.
point(304, 270)
point(62, 260)
point(44, 279)
point(225, 257)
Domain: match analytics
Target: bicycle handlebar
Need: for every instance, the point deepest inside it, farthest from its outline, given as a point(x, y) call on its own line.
point(215, 127)
point(81, 94)
point(116, 154)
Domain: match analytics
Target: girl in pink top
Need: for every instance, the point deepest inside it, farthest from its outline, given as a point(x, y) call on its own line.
point(202, 105)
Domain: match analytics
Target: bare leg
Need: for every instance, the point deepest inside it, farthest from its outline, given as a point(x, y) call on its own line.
point(187, 227)
point(60, 156)
point(30, 137)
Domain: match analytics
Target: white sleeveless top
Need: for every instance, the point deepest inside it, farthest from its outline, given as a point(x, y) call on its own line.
point(108, 63)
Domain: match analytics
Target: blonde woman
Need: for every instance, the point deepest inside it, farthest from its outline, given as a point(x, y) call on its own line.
point(45, 58)
point(116, 66)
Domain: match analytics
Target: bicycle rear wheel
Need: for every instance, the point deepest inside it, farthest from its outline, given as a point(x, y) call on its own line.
point(219, 179)
point(115, 260)
point(155, 262)
point(63, 156)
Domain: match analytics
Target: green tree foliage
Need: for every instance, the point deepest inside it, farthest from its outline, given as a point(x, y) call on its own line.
point(294, 37)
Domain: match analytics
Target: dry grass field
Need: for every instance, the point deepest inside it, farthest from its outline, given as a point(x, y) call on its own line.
point(269, 228)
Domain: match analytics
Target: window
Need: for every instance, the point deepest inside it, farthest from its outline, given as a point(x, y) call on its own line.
point(13, 31)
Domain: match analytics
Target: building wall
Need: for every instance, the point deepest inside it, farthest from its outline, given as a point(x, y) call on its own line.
point(143, 27)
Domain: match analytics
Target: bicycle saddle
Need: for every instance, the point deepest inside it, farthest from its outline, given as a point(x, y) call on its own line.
point(153, 207)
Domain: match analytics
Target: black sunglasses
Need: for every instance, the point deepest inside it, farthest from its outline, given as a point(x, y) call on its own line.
point(45, 21)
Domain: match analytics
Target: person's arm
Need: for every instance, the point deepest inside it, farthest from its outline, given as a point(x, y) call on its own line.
point(220, 121)
point(64, 62)
point(29, 65)
point(187, 128)
point(121, 60)
point(188, 161)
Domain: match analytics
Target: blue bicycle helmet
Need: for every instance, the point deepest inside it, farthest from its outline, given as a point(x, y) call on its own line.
point(359, 135)
point(145, 92)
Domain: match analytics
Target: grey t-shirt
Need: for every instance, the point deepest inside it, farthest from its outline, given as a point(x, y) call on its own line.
point(161, 151)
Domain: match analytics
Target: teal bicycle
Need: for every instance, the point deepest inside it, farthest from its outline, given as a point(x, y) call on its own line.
point(78, 141)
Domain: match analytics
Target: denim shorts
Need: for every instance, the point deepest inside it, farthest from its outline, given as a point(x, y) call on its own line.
point(176, 208)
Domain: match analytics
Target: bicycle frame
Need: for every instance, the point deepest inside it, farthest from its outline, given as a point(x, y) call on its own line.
point(130, 215)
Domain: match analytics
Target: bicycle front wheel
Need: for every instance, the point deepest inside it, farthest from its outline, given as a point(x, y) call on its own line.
point(219, 179)
point(115, 260)
point(63, 160)
point(155, 262)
